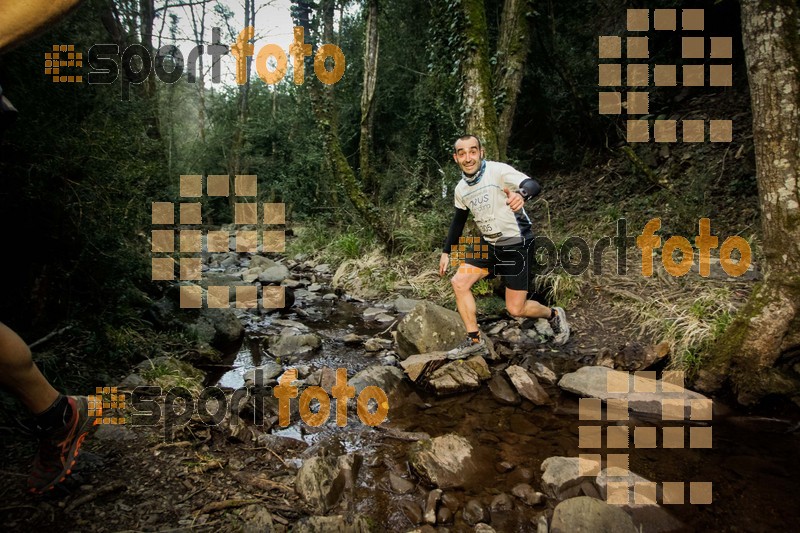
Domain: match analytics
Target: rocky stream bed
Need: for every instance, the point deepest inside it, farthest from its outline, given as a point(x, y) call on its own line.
point(483, 444)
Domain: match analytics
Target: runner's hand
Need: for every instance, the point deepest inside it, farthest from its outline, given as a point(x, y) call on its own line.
point(514, 200)
point(444, 262)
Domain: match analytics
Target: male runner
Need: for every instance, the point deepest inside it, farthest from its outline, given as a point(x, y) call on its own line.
point(494, 193)
point(60, 422)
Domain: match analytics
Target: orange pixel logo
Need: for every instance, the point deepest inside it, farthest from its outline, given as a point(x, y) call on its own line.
point(640, 73)
point(54, 61)
point(467, 248)
point(622, 485)
point(195, 241)
point(106, 398)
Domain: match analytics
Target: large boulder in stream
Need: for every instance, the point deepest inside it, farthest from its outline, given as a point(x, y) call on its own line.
point(562, 476)
point(217, 327)
point(443, 462)
point(429, 328)
point(527, 385)
point(589, 515)
point(292, 342)
point(638, 498)
point(643, 394)
point(324, 479)
point(435, 372)
point(386, 378)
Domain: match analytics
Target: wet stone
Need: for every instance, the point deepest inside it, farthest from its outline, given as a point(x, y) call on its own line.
point(430, 505)
point(588, 489)
point(503, 467)
point(450, 501)
point(521, 425)
point(444, 461)
point(562, 477)
point(444, 515)
point(372, 345)
point(412, 511)
point(525, 492)
point(488, 438)
point(590, 515)
point(274, 274)
point(372, 312)
point(384, 318)
point(509, 438)
point(400, 485)
point(263, 374)
point(404, 305)
point(543, 373)
point(352, 339)
point(324, 268)
point(497, 328)
point(501, 503)
point(502, 391)
point(527, 385)
point(474, 512)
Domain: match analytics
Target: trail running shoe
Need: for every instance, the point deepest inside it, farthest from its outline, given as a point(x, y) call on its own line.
point(468, 347)
point(560, 326)
point(59, 450)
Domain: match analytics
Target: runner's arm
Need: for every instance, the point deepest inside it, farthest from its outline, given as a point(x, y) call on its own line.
point(456, 228)
point(529, 188)
point(22, 20)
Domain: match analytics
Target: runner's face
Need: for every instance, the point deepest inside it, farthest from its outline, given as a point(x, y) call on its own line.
point(468, 156)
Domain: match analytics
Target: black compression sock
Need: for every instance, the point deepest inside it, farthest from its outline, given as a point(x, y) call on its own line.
point(474, 335)
point(552, 314)
point(54, 417)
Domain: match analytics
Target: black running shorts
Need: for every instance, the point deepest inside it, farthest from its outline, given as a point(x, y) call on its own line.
point(511, 263)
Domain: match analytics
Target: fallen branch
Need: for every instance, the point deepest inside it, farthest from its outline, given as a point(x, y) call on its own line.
point(225, 504)
point(387, 330)
point(49, 336)
point(105, 489)
point(278, 457)
point(407, 436)
point(178, 444)
point(261, 482)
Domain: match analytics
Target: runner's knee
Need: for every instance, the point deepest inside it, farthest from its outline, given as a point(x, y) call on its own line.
point(460, 283)
point(515, 309)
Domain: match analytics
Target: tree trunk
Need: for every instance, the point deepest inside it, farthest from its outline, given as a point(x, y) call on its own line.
point(327, 121)
point(512, 51)
point(199, 30)
point(367, 94)
point(235, 166)
point(763, 342)
point(147, 14)
point(481, 119)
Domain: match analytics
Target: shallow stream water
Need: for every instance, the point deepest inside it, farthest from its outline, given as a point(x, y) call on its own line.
point(752, 464)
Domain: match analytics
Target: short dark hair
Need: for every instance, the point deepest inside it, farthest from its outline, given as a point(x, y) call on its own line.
point(465, 137)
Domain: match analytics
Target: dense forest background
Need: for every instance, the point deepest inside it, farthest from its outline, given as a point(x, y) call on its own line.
point(80, 166)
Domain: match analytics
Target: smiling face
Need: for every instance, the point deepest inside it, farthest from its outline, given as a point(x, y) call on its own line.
point(468, 155)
